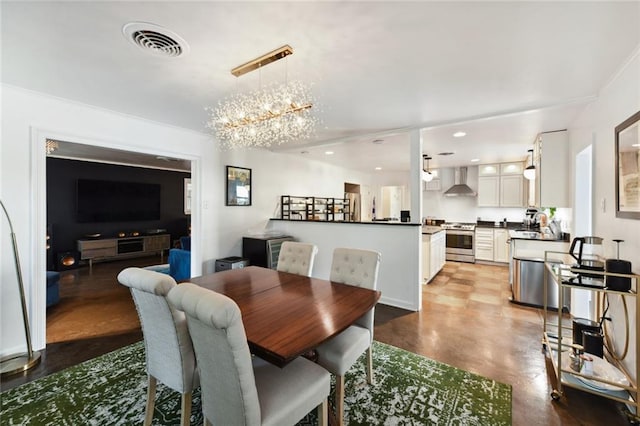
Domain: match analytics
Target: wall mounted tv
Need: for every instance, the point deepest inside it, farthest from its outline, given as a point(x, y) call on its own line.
point(113, 201)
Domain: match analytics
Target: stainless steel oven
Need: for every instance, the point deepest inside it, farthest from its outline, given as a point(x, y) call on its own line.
point(460, 244)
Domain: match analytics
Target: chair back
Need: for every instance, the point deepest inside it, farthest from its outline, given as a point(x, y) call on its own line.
point(168, 347)
point(359, 268)
point(229, 393)
point(297, 258)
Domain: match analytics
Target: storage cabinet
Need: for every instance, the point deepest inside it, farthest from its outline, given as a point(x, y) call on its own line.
point(491, 245)
point(501, 185)
point(608, 377)
point(433, 254)
point(314, 208)
point(484, 244)
point(113, 248)
point(552, 161)
point(500, 245)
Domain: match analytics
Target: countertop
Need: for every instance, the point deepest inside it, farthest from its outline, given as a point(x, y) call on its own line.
point(535, 236)
point(431, 229)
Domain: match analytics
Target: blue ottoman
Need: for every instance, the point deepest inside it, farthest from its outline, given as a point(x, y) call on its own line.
point(53, 288)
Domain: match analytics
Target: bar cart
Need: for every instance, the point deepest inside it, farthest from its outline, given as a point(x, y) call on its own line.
point(607, 376)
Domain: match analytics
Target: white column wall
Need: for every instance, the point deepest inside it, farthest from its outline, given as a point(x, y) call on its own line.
point(399, 275)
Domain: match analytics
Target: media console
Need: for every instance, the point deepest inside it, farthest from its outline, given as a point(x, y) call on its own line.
point(113, 248)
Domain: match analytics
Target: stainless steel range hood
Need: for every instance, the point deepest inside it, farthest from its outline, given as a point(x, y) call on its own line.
point(460, 189)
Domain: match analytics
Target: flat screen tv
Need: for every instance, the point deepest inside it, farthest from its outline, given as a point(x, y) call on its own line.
point(114, 201)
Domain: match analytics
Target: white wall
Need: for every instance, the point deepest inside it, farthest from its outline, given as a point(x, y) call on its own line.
point(28, 118)
point(616, 102)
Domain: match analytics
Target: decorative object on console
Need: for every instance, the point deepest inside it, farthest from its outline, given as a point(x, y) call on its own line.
point(618, 266)
point(271, 115)
point(67, 260)
point(19, 362)
point(530, 171)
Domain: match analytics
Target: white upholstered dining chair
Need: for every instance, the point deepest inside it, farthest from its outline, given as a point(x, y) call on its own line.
point(297, 258)
point(359, 268)
point(168, 348)
point(237, 389)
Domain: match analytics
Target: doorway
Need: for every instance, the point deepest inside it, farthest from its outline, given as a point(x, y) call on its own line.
point(352, 193)
point(582, 301)
point(92, 303)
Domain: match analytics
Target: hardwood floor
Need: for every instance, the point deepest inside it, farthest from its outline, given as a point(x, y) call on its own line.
point(466, 321)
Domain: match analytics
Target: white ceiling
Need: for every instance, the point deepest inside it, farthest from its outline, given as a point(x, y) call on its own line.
point(501, 71)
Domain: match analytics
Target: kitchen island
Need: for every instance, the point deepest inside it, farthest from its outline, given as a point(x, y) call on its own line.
point(433, 251)
point(526, 267)
point(399, 243)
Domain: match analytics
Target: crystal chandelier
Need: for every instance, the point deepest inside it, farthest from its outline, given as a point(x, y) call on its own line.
point(271, 115)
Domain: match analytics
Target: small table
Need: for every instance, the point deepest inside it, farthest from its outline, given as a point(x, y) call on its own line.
point(286, 315)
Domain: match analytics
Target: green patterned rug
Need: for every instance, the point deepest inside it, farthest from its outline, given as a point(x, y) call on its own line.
point(409, 390)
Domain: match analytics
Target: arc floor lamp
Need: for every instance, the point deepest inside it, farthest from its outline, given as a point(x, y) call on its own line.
point(17, 363)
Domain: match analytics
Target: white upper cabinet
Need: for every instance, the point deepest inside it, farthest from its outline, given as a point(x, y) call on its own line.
point(489, 191)
point(512, 191)
point(501, 185)
point(552, 182)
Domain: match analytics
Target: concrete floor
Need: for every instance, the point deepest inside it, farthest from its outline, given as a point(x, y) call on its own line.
point(466, 321)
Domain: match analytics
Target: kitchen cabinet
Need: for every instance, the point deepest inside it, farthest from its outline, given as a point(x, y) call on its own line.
point(512, 191)
point(501, 185)
point(433, 254)
point(500, 245)
point(553, 166)
point(484, 244)
point(491, 245)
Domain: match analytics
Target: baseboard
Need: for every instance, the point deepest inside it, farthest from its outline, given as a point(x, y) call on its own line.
point(402, 304)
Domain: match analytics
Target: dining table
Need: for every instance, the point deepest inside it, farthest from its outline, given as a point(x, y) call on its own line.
point(287, 315)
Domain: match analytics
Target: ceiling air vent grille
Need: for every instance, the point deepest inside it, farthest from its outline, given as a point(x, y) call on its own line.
point(155, 39)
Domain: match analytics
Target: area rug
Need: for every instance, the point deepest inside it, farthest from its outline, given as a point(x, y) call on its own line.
point(409, 390)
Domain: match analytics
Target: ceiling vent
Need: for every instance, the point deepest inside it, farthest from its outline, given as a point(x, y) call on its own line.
point(155, 39)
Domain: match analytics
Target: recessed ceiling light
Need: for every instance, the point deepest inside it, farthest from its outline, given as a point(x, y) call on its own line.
point(378, 168)
point(328, 152)
point(475, 160)
point(459, 134)
point(377, 141)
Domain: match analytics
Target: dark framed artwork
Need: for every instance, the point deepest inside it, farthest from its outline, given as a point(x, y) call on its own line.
point(238, 186)
point(628, 168)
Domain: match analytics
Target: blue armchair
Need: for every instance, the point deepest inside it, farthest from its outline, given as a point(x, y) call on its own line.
point(180, 260)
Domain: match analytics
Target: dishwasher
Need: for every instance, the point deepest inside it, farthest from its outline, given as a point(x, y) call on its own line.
point(528, 285)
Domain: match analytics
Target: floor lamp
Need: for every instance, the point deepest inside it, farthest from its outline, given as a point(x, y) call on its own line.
point(22, 361)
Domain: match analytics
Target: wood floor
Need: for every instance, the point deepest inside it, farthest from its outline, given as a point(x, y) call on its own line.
point(466, 321)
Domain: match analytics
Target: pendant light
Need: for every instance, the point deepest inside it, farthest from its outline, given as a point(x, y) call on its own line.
point(427, 176)
point(530, 172)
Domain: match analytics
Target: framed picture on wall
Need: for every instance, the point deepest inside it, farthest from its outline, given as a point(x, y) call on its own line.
point(187, 196)
point(238, 187)
point(628, 168)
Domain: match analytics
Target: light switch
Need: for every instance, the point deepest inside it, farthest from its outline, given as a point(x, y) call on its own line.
point(603, 205)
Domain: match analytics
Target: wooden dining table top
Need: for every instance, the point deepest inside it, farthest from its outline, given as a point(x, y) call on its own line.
point(286, 315)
